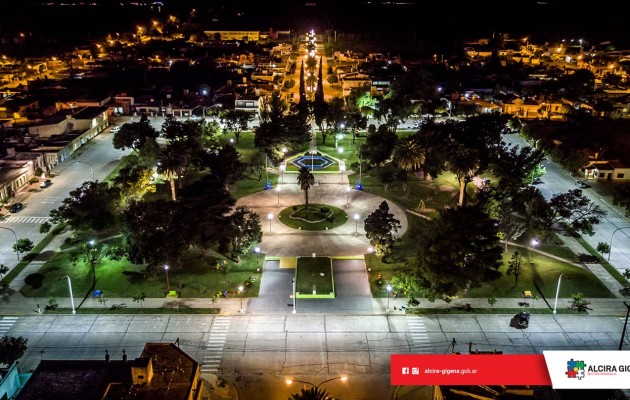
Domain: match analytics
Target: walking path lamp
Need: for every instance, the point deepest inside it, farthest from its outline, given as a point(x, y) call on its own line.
point(278, 190)
point(257, 251)
point(534, 244)
point(356, 224)
point(555, 304)
point(347, 196)
point(282, 168)
point(342, 169)
point(389, 289)
point(294, 297)
point(168, 286)
point(270, 217)
point(70, 289)
point(240, 292)
point(16, 241)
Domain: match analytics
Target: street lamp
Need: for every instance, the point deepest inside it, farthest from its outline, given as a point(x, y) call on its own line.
point(270, 217)
point(356, 224)
point(70, 288)
point(289, 381)
point(278, 190)
point(347, 196)
point(16, 241)
point(558, 291)
point(611, 239)
point(282, 168)
point(240, 292)
point(389, 289)
point(91, 167)
point(168, 286)
point(534, 244)
point(342, 169)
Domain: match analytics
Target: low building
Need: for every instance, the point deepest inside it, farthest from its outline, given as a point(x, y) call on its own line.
point(249, 102)
point(245, 36)
point(606, 170)
point(11, 381)
point(163, 371)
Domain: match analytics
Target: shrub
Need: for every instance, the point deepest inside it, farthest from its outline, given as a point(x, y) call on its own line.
point(324, 209)
point(294, 208)
point(413, 302)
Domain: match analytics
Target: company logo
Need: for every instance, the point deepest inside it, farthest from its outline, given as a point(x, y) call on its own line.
point(575, 369)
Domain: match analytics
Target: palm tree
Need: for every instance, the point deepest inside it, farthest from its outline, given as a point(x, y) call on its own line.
point(464, 164)
point(311, 394)
point(171, 163)
point(305, 179)
point(3, 270)
point(408, 155)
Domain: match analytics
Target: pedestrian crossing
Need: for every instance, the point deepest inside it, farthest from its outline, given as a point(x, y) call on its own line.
point(419, 335)
point(216, 343)
point(25, 220)
point(617, 221)
point(6, 323)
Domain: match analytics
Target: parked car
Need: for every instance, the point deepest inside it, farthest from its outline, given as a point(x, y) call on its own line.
point(115, 129)
point(582, 185)
point(522, 319)
point(45, 183)
point(16, 207)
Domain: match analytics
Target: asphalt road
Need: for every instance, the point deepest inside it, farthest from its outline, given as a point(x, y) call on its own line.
point(258, 352)
point(98, 156)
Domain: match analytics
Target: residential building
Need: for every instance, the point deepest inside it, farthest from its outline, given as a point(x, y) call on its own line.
point(163, 371)
point(606, 170)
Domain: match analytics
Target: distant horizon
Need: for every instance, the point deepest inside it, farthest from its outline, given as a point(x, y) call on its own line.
point(446, 20)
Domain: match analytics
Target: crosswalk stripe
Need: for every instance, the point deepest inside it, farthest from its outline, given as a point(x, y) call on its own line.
point(25, 220)
point(215, 344)
point(419, 336)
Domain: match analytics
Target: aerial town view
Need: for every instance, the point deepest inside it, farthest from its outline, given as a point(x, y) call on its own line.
point(300, 199)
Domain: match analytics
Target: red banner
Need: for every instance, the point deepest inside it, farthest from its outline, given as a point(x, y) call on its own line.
point(472, 369)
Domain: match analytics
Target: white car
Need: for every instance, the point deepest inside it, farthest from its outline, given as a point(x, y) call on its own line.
point(115, 129)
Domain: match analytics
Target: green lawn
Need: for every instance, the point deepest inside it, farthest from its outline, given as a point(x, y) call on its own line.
point(316, 219)
point(198, 277)
point(309, 270)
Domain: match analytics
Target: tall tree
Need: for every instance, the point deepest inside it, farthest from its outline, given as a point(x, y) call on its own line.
point(171, 163)
point(92, 206)
point(577, 210)
point(464, 163)
point(236, 121)
point(306, 180)
point(459, 247)
point(408, 154)
point(381, 228)
point(319, 92)
point(515, 166)
point(379, 146)
point(134, 180)
point(311, 394)
point(514, 266)
point(242, 232)
point(133, 135)
point(12, 349)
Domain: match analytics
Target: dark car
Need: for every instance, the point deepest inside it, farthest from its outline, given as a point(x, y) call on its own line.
point(45, 183)
point(16, 207)
point(582, 185)
point(522, 319)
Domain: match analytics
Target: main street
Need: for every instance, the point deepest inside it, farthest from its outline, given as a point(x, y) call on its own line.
point(257, 352)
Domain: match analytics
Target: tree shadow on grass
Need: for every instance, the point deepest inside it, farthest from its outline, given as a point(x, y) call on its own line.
point(34, 280)
point(135, 277)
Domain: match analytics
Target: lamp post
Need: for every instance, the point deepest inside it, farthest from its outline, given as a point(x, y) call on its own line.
point(270, 217)
point(294, 296)
point(342, 169)
point(240, 292)
point(347, 196)
point(91, 167)
point(625, 325)
point(316, 387)
point(356, 224)
point(555, 304)
point(282, 168)
point(168, 286)
point(389, 289)
point(16, 241)
point(534, 244)
point(611, 239)
point(278, 190)
point(70, 289)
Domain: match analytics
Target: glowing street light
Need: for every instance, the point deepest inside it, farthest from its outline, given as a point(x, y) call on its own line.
point(168, 286)
point(240, 292)
point(71, 296)
point(356, 224)
point(389, 289)
point(555, 304)
point(282, 168)
point(257, 251)
point(278, 190)
point(270, 217)
point(534, 244)
point(289, 381)
point(342, 169)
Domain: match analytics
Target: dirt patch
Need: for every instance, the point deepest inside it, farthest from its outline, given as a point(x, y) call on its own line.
point(446, 188)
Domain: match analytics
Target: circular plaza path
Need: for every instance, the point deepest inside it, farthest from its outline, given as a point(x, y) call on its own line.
point(341, 241)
